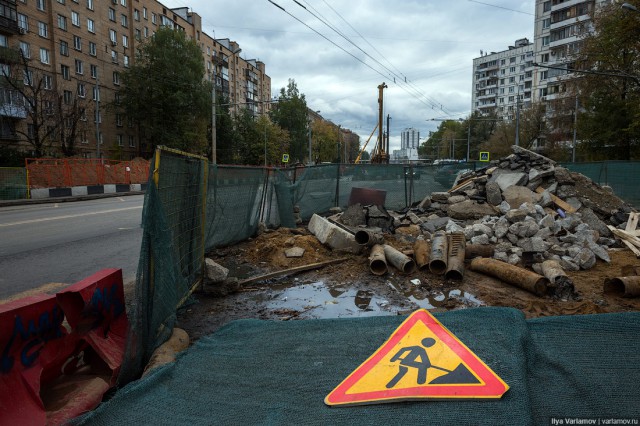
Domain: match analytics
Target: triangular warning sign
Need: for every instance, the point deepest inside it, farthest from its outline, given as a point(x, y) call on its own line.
point(421, 360)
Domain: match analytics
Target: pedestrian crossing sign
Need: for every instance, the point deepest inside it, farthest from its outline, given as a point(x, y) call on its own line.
point(285, 158)
point(421, 360)
point(484, 156)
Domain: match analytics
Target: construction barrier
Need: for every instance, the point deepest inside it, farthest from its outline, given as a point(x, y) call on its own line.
point(13, 183)
point(61, 353)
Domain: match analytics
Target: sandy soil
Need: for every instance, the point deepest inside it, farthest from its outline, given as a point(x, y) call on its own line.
point(349, 289)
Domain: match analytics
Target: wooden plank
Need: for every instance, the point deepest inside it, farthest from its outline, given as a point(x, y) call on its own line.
point(558, 202)
point(292, 271)
point(632, 223)
point(627, 240)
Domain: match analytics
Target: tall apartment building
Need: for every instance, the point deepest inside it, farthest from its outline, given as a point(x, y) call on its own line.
point(409, 143)
point(78, 49)
point(501, 78)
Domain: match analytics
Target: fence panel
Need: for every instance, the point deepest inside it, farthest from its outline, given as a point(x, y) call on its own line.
point(58, 173)
point(622, 176)
point(13, 183)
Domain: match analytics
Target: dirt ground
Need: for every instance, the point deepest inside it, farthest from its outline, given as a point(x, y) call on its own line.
point(349, 289)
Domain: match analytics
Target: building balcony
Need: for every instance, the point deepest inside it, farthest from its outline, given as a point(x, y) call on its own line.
point(557, 6)
point(12, 111)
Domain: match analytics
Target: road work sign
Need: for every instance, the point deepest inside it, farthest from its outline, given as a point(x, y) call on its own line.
point(484, 156)
point(285, 158)
point(421, 360)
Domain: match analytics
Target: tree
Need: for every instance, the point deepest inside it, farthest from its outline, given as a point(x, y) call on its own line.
point(55, 116)
point(290, 113)
point(609, 120)
point(165, 93)
point(324, 140)
point(225, 132)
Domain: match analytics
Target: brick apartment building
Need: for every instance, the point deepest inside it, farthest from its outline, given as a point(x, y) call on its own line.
point(76, 52)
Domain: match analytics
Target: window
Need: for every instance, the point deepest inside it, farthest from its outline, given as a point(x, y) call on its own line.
point(119, 140)
point(146, 32)
point(64, 70)
point(27, 77)
point(138, 34)
point(114, 56)
point(132, 142)
point(123, 2)
point(41, 4)
point(112, 15)
point(23, 21)
point(47, 81)
point(96, 93)
point(512, 69)
point(546, 6)
point(94, 71)
point(91, 25)
point(144, 13)
point(119, 120)
point(123, 20)
point(136, 15)
point(44, 55)
point(125, 41)
point(546, 23)
point(512, 60)
point(153, 17)
point(25, 49)
point(43, 30)
point(511, 98)
point(92, 48)
point(116, 98)
point(545, 40)
point(66, 96)
point(77, 43)
point(64, 48)
point(75, 19)
point(61, 1)
point(79, 67)
point(512, 79)
point(62, 22)
point(125, 60)
point(113, 36)
point(543, 75)
point(90, 4)
point(116, 78)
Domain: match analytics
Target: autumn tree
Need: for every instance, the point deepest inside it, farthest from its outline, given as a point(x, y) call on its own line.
point(324, 141)
point(165, 93)
point(290, 113)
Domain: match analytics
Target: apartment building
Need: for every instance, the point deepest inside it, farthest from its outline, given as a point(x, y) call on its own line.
point(78, 49)
point(502, 79)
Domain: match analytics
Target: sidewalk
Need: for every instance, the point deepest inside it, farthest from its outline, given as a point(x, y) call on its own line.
point(65, 199)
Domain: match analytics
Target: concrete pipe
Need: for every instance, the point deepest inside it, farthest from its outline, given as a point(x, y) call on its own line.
point(439, 252)
point(398, 259)
point(471, 251)
point(455, 257)
point(519, 277)
point(377, 261)
point(421, 254)
point(368, 238)
point(623, 286)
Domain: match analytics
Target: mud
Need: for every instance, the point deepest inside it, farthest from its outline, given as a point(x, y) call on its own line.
point(349, 289)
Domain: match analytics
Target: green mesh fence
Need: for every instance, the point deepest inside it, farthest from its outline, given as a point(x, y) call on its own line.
point(13, 183)
point(622, 176)
point(171, 256)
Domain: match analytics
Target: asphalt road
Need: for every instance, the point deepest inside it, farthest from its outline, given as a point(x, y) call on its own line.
point(66, 242)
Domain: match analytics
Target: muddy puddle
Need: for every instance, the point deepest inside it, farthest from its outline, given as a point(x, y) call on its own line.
point(319, 300)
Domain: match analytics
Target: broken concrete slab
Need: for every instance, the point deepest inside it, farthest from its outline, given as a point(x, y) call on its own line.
point(494, 195)
point(333, 236)
point(508, 179)
point(518, 195)
point(470, 209)
point(215, 273)
point(294, 252)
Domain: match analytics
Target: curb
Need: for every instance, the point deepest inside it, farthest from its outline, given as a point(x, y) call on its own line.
point(66, 199)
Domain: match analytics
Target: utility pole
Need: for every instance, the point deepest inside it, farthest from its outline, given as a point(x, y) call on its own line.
point(575, 126)
point(518, 118)
point(310, 162)
point(214, 157)
point(388, 152)
point(379, 154)
point(468, 139)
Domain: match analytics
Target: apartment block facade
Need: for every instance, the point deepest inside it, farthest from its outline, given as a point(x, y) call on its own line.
point(78, 50)
point(503, 79)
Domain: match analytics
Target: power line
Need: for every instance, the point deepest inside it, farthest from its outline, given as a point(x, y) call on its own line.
point(502, 7)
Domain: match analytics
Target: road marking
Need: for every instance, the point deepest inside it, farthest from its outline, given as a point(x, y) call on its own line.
point(71, 216)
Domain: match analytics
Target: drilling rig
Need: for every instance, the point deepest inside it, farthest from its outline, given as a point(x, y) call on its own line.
point(380, 154)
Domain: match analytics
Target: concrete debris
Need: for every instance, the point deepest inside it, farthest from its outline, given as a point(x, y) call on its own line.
point(294, 252)
point(215, 273)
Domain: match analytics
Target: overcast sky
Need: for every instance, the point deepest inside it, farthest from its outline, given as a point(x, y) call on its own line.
point(431, 43)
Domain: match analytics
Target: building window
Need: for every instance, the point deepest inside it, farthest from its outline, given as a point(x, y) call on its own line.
point(90, 4)
point(512, 79)
point(119, 120)
point(82, 92)
point(512, 69)
point(92, 48)
point(23, 22)
point(545, 40)
point(75, 19)
point(43, 30)
point(124, 21)
point(25, 49)
point(543, 75)
point(153, 18)
point(47, 81)
point(116, 98)
point(138, 34)
point(64, 48)
point(96, 93)
point(66, 96)
point(94, 71)
point(132, 142)
point(79, 67)
point(125, 60)
point(62, 22)
point(146, 32)
point(44, 55)
point(546, 23)
point(41, 4)
point(546, 6)
point(27, 77)
point(64, 70)
point(112, 15)
point(114, 56)
point(113, 36)
point(116, 78)
point(61, 1)
point(91, 26)
point(125, 40)
point(77, 43)
point(119, 140)
point(136, 15)
point(144, 13)
point(123, 2)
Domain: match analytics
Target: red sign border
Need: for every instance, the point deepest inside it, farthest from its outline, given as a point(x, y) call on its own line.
point(494, 386)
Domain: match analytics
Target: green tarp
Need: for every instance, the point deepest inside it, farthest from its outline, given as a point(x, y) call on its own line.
point(277, 373)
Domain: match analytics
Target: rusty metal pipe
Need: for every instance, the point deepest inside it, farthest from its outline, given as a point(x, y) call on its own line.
point(519, 277)
point(455, 257)
point(400, 260)
point(421, 254)
point(365, 237)
point(623, 286)
point(439, 251)
point(377, 260)
point(471, 251)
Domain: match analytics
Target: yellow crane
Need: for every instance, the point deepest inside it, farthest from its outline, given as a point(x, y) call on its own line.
point(365, 145)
